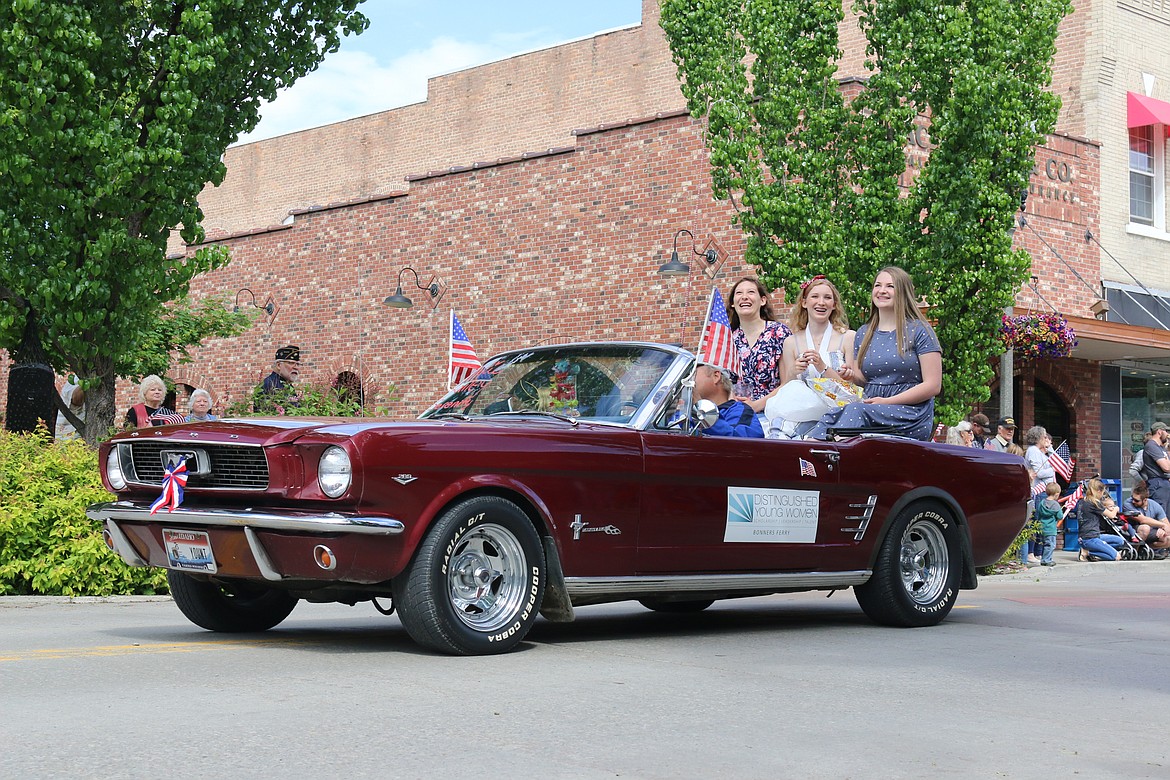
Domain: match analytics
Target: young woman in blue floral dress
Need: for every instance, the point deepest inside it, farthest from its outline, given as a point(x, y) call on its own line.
point(759, 338)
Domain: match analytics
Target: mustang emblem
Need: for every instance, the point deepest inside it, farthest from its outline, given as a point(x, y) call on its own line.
point(579, 527)
point(171, 458)
point(405, 479)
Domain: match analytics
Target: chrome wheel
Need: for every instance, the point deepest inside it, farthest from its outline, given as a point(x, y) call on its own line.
point(924, 561)
point(916, 570)
point(487, 578)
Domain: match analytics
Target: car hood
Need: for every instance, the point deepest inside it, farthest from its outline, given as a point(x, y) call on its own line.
point(272, 431)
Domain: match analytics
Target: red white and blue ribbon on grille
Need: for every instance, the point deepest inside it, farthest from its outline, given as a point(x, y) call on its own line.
point(174, 480)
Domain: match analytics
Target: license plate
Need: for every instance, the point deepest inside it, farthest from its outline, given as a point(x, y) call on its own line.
point(188, 550)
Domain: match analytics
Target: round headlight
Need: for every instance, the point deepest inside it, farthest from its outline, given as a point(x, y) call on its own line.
point(333, 472)
point(114, 469)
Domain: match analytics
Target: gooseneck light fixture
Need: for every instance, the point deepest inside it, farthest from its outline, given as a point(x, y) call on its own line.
point(676, 267)
point(268, 306)
point(434, 288)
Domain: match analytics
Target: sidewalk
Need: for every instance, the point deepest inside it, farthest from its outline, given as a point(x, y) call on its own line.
point(1063, 559)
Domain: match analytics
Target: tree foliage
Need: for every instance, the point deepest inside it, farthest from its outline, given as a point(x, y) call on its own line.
point(47, 544)
point(819, 182)
point(114, 115)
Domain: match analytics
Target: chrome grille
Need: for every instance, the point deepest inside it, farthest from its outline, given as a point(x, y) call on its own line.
point(232, 467)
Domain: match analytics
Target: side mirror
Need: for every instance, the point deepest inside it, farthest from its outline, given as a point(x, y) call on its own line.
point(705, 414)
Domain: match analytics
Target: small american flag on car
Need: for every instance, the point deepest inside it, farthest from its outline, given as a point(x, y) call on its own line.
point(807, 469)
point(462, 362)
point(717, 347)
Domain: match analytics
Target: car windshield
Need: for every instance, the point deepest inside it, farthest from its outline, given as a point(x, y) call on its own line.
point(601, 382)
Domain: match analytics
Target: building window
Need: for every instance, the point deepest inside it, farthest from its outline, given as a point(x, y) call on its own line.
point(1146, 178)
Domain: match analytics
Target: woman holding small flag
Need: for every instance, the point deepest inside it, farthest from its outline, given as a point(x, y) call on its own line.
point(150, 410)
point(1037, 455)
point(759, 338)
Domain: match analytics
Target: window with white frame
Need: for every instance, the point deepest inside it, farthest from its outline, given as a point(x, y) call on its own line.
point(1146, 176)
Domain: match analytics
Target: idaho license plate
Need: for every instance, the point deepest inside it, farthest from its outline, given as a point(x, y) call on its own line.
point(188, 550)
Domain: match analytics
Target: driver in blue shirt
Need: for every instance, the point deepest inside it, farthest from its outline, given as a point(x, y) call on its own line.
point(735, 417)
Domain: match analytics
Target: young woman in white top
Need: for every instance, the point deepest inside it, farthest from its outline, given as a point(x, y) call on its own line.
point(821, 337)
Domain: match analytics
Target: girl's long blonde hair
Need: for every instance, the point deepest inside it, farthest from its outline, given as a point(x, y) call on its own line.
point(798, 318)
point(1095, 492)
point(905, 309)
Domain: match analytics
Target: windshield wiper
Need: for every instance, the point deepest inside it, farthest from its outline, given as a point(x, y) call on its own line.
point(554, 415)
point(456, 415)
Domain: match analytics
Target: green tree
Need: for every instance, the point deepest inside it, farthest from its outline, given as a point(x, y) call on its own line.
point(114, 114)
point(819, 181)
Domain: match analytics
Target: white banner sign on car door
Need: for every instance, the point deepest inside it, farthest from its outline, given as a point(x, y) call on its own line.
point(764, 515)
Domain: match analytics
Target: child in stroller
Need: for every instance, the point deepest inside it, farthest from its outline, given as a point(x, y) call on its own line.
point(1134, 547)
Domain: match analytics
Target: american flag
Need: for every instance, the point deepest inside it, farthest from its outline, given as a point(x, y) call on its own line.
point(1060, 459)
point(462, 361)
point(717, 346)
point(1071, 500)
point(168, 418)
point(1039, 488)
point(806, 468)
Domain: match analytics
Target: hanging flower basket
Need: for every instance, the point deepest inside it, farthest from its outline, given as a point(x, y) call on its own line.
point(1038, 335)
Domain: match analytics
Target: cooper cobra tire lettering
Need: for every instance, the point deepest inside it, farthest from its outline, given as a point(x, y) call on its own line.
point(916, 574)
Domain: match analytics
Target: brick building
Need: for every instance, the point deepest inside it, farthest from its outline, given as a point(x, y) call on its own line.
point(542, 231)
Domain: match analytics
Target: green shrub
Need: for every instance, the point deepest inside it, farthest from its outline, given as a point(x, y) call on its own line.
point(47, 544)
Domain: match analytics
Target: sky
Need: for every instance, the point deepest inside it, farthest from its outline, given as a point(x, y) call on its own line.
point(408, 41)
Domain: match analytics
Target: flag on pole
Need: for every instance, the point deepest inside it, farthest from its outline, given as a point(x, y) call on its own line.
point(462, 361)
point(1060, 460)
point(1071, 500)
point(1038, 488)
point(717, 346)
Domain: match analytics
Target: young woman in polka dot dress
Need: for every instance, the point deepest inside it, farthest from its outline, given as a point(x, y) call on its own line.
point(898, 358)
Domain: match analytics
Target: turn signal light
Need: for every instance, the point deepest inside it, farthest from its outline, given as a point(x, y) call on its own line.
point(109, 540)
point(324, 557)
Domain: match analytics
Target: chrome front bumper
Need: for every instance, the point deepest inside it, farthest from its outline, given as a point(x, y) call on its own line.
point(283, 520)
point(306, 522)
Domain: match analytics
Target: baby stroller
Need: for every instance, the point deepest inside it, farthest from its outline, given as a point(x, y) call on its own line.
point(1136, 549)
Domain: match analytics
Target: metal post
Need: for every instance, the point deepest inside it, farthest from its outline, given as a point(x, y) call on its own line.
point(1006, 363)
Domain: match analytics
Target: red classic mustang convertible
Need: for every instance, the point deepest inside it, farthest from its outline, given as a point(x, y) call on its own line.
point(555, 478)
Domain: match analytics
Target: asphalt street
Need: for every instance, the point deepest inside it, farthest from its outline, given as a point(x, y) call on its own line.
point(1054, 672)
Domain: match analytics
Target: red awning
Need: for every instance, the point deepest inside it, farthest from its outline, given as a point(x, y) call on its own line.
point(1143, 111)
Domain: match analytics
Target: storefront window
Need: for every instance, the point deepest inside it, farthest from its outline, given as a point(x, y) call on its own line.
point(1145, 398)
point(1146, 183)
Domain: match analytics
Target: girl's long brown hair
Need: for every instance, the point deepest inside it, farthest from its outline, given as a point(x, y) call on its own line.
point(905, 309)
point(766, 313)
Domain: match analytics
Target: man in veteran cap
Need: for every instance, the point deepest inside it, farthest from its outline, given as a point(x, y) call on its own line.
point(1005, 431)
point(285, 370)
point(735, 417)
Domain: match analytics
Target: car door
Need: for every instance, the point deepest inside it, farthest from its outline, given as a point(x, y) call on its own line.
point(721, 504)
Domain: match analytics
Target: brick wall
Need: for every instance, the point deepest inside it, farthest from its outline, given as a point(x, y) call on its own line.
point(524, 103)
point(556, 246)
point(1063, 202)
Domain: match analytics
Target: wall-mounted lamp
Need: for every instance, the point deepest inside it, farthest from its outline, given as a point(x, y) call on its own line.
point(676, 267)
point(1100, 308)
point(268, 306)
point(434, 288)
